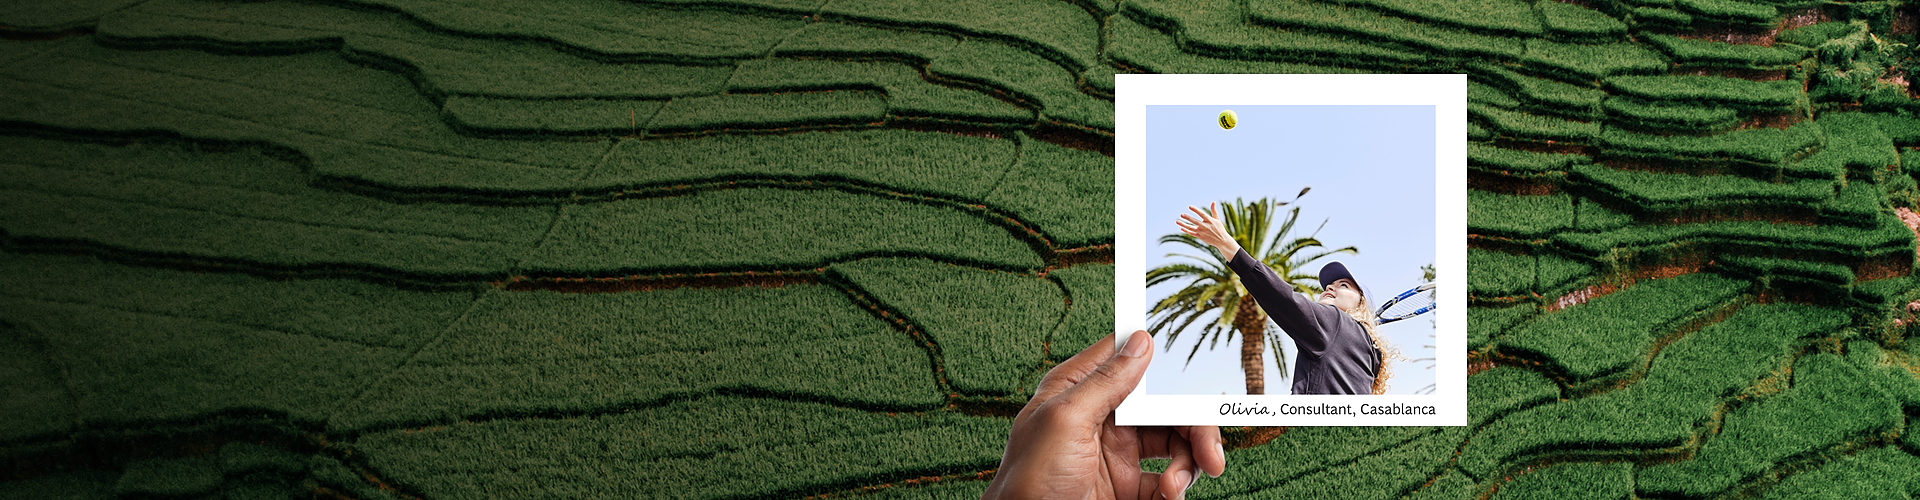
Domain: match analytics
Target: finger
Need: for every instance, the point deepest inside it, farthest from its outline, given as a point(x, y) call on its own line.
point(1209, 453)
point(1149, 487)
point(1070, 372)
point(1179, 475)
point(1202, 442)
point(1207, 215)
point(1102, 389)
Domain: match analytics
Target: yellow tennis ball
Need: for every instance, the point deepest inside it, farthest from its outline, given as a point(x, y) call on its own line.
point(1228, 119)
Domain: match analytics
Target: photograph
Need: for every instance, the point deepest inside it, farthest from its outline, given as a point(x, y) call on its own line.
point(1292, 247)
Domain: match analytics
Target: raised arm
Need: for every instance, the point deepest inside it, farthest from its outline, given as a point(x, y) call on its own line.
point(1296, 314)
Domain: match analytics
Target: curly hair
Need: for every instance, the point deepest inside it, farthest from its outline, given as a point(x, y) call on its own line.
point(1388, 353)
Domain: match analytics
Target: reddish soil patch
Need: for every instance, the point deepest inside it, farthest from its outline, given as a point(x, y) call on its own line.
point(1808, 17)
point(1097, 254)
point(1758, 75)
point(1774, 215)
point(1913, 224)
point(1509, 185)
point(1076, 138)
point(1234, 438)
point(1730, 33)
point(1661, 167)
point(1888, 266)
point(1545, 147)
point(986, 407)
point(1692, 262)
point(1780, 121)
point(1481, 366)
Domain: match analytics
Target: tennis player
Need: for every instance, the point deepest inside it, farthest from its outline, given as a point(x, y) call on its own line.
point(1339, 349)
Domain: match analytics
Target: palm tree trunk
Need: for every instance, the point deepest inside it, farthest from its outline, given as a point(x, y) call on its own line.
point(1251, 322)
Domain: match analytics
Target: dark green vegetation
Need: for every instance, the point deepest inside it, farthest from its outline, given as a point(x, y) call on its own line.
point(333, 248)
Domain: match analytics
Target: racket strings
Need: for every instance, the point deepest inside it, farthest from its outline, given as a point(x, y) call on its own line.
point(1408, 306)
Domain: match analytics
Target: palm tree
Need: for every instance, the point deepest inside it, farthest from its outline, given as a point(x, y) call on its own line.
point(1214, 286)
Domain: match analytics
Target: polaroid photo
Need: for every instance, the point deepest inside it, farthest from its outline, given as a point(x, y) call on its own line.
point(1345, 197)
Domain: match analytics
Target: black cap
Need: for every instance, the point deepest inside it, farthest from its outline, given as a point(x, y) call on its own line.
point(1335, 271)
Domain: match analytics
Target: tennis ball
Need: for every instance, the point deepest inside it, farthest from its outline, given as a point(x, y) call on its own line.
point(1228, 119)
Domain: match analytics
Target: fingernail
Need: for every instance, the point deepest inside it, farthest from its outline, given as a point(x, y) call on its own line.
point(1136, 345)
point(1222, 451)
point(1184, 477)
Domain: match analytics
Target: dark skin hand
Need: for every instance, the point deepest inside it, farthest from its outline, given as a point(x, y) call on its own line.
point(1064, 443)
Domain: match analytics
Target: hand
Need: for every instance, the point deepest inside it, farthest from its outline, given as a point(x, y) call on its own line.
point(1064, 443)
point(1207, 227)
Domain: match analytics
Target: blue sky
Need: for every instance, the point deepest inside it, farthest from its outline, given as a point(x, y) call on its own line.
point(1372, 173)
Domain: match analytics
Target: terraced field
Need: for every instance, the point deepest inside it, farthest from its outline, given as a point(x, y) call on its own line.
point(765, 248)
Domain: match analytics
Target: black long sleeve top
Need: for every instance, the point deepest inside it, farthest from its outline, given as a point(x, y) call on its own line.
point(1336, 356)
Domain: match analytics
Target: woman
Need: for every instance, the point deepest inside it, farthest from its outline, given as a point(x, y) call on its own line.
point(1339, 350)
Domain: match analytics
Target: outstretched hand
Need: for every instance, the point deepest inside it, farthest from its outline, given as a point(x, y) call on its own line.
point(1206, 226)
point(1064, 443)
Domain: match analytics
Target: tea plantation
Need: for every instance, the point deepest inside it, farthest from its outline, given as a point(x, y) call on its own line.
point(723, 249)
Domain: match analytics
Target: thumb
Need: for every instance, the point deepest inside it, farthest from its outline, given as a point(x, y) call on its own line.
point(1103, 390)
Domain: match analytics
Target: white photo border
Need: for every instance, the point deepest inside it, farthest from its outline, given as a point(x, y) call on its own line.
point(1446, 92)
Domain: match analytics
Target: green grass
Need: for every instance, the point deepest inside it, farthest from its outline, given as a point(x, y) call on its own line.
point(1090, 313)
point(45, 17)
point(1578, 24)
point(989, 326)
point(38, 403)
point(1545, 95)
point(1533, 127)
point(1481, 156)
point(608, 27)
point(946, 166)
point(1493, 274)
point(1777, 96)
point(1027, 77)
point(1887, 235)
point(1872, 473)
point(169, 477)
point(1589, 63)
point(1813, 35)
point(1389, 473)
point(766, 228)
point(1571, 480)
point(1730, 11)
point(712, 447)
point(446, 63)
point(1670, 118)
point(1052, 188)
point(126, 368)
point(1495, 214)
point(525, 354)
point(1138, 46)
point(1763, 146)
point(771, 111)
point(1722, 54)
point(385, 135)
point(1611, 333)
point(1364, 24)
point(860, 41)
point(1684, 385)
point(1217, 29)
point(1510, 17)
point(1830, 404)
point(1663, 192)
point(1483, 323)
point(1060, 32)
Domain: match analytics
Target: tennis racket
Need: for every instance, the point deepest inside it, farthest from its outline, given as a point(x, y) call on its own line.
point(1408, 304)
